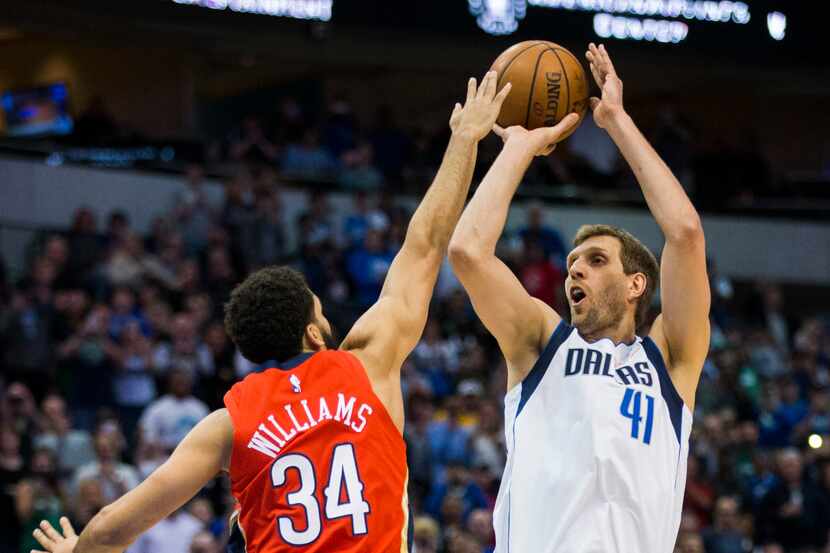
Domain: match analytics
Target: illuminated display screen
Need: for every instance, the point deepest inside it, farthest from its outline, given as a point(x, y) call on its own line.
point(664, 21)
point(298, 9)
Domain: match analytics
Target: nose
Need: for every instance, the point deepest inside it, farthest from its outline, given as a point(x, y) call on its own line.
point(576, 270)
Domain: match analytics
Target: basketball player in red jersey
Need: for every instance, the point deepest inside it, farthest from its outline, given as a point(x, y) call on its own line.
point(312, 441)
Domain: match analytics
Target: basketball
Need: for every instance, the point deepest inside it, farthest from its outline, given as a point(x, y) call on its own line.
point(548, 81)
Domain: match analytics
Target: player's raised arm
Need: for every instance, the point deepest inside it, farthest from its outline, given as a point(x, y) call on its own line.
point(520, 323)
point(390, 329)
point(682, 330)
point(204, 452)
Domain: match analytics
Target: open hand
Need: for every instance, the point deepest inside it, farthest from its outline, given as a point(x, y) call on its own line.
point(52, 540)
point(541, 141)
point(612, 87)
point(481, 108)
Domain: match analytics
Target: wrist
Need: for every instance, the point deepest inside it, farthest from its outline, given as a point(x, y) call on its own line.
point(617, 118)
point(519, 150)
point(463, 135)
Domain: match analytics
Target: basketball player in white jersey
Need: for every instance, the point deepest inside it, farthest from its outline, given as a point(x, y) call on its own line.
point(597, 419)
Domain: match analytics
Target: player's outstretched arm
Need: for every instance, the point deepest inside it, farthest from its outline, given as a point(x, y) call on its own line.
point(204, 452)
point(682, 330)
point(519, 322)
point(385, 335)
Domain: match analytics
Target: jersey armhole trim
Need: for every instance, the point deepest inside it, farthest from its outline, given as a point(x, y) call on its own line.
point(534, 377)
point(667, 389)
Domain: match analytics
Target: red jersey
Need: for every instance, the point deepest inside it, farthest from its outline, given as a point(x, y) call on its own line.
point(317, 463)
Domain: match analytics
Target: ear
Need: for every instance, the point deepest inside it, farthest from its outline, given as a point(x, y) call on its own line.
point(637, 285)
point(313, 338)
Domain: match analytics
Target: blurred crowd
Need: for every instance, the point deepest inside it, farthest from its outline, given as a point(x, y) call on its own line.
point(113, 348)
point(328, 142)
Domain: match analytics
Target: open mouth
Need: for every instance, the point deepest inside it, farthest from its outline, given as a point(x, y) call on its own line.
point(577, 295)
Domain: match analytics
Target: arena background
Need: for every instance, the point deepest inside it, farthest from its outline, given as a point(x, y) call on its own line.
point(152, 153)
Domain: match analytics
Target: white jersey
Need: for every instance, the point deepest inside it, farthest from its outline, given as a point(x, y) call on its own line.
point(597, 441)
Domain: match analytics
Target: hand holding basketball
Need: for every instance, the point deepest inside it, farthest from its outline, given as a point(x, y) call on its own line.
point(481, 108)
point(606, 77)
point(541, 141)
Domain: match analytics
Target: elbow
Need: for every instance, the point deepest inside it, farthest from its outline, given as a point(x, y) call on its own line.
point(689, 232)
point(463, 256)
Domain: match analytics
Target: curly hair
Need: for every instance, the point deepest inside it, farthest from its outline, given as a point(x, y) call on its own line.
point(267, 314)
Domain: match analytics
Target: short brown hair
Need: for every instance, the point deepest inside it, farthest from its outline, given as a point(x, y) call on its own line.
point(635, 257)
point(267, 314)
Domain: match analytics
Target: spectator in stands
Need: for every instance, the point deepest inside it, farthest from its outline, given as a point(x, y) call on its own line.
point(185, 352)
point(167, 420)
point(39, 497)
point(18, 413)
point(480, 526)
point(367, 265)
point(269, 247)
point(544, 235)
point(785, 512)
point(193, 211)
point(12, 471)
point(114, 477)
point(84, 245)
point(72, 447)
point(174, 534)
point(540, 276)
point(26, 334)
point(726, 534)
point(358, 172)
point(426, 535)
point(250, 144)
point(307, 159)
point(204, 542)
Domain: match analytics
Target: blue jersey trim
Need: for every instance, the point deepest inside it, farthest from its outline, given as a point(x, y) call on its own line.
point(236, 541)
point(531, 381)
point(667, 389)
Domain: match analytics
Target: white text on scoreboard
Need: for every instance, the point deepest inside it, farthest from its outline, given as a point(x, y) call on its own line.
point(297, 9)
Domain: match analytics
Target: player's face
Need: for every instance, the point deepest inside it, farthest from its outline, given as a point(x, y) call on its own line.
point(324, 325)
point(596, 285)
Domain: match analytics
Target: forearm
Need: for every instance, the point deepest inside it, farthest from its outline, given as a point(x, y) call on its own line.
point(483, 221)
point(434, 220)
point(664, 195)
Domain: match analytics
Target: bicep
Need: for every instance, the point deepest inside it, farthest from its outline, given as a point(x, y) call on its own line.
point(518, 321)
point(685, 300)
point(203, 453)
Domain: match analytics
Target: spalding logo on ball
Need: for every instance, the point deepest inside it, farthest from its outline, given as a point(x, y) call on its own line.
point(548, 81)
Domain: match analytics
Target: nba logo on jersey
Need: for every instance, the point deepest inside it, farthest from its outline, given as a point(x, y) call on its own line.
point(295, 383)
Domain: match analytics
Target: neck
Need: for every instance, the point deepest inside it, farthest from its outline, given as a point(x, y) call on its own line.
point(621, 333)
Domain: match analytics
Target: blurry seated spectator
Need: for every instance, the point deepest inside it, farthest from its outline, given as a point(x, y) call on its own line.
point(39, 497)
point(547, 237)
point(12, 470)
point(786, 512)
point(185, 351)
point(358, 172)
point(308, 159)
point(134, 384)
point(269, 244)
point(85, 355)
point(174, 534)
point(480, 526)
point(249, 143)
point(115, 478)
point(726, 534)
point(88, 501)
point(367, 265)
point(426, 535)
point(204, 542)
point(436, 358)
point(193, 211)
point(450, 441)
point(700, 495)
point(72, 447)
point(26, 338)
point(84, 245)
point(167, 420)
point(689, 542)
point(598, 152)
point(125, 312)
point(357, 221)
point(18, 413)
point(541, 278)
point(391, 144)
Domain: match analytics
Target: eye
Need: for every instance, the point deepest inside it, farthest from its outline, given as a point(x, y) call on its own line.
point(597, 259)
